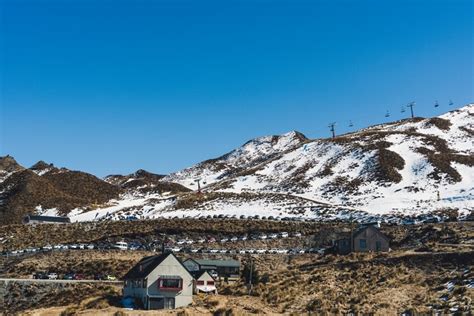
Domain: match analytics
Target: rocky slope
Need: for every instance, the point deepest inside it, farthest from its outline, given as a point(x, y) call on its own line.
point(407, 167)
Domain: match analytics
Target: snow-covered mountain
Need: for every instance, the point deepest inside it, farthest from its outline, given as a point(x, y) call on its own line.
point(402, 168)
point(240, 160)
point(410, 166)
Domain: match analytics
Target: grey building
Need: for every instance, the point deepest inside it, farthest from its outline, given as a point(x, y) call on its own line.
point(159, 282)
point(367, 238)
point(39, 219)
point(226, 269)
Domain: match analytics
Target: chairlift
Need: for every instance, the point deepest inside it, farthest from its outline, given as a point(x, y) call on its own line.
point(403, 110)
point(350, 124)
point(436, 104)
point(451, 102)
point(387, 114)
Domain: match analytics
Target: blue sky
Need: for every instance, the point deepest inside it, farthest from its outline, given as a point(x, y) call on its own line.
point(114, 86)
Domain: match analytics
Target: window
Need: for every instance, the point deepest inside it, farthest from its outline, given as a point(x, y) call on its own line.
point(200, 282)
point(362, 243)
point(168, 283)
point(210, 282)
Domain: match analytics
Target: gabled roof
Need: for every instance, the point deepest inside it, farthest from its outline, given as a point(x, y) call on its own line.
point(200, 273)
point(145, 266)
point(217, 263)
point(363, 228)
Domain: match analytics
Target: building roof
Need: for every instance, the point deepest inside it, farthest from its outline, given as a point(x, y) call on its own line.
point(56, 219)
point(200, 273)
point(217, 263)
point(145, 266)
point(363, 228)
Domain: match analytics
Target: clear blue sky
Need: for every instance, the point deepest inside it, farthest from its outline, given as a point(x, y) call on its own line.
point(113, 86)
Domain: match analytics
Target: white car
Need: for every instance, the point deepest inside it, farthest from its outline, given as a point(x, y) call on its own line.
point(242, 252)
point(273, 250)
point(48, 247)
point(243, 238)
point(250, 250)
point(90, 246)
point(273, 236)
point(263, 236)
point(282, 251)
point(261, 250)
point(181, 242)
point(57, 247)
point(190, 242)
point(224, 239)
point(194, 250)
point(234, 239)
point(284, 234)
point(201, 240)
point(297, 234)
point(52, 276)
point(223, 251)
point(214, 250)
point(175, 249)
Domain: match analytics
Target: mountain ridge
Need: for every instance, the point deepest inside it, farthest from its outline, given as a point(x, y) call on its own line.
point(401, 168)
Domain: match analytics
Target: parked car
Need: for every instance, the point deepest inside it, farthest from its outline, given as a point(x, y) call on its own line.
point(234, 239)
point(214, 274)
point(296, 234)
point(273, 236)
point(201, 240)
point(283, 234)
point(48, 247)
point(111, 278)
point(68, 276)
point(52, 276)
point(79, 276)
point(224, 239)
point(40, 275)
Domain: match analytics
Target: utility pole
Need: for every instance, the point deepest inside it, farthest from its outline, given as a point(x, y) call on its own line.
point(199, 184)
point(331, 128)
point(250, 277)
point(411, 105)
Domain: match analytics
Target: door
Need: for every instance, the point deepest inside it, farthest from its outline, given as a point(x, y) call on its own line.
point(378, 246)
point(169, 303)
point(156, 303)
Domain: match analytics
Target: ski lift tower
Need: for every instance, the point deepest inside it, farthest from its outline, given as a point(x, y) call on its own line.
point(198, 181)
point(411, 105)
